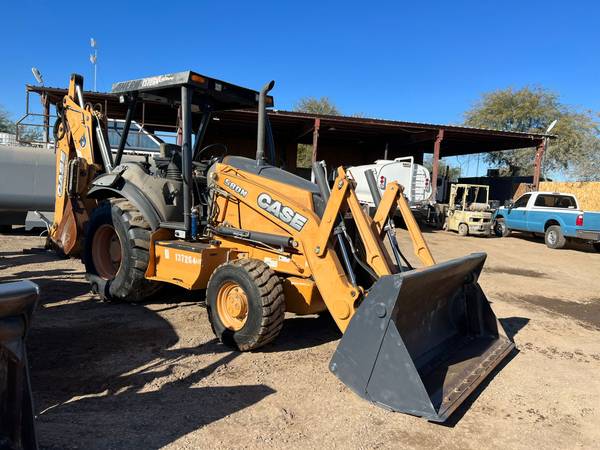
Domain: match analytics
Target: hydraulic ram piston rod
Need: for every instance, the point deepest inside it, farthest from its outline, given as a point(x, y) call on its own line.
point(372, 183)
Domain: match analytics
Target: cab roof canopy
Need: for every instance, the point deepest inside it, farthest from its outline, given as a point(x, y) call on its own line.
point(206, 93)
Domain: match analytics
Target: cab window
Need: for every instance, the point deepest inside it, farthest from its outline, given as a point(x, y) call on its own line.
point(555, 201)
point(522, 201)
point(458, 198)
point(137, 139)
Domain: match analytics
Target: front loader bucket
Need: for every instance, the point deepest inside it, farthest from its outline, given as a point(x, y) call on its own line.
point(423, 340)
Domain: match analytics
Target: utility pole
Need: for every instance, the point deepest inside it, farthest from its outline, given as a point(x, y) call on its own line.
point(94, 59)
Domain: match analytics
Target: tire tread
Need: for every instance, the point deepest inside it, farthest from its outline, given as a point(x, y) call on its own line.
point(136, 287)
point(271, 299)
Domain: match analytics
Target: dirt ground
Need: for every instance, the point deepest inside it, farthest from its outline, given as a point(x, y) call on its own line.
point(109, 375)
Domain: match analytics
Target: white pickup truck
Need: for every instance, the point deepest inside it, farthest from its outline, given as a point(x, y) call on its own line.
point(414, 177)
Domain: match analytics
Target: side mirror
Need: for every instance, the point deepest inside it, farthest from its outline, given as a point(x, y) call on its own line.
point(508, 204)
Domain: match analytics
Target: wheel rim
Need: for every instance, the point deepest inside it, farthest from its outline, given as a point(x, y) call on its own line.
point(106, 252)
point(552, 237)
point(232, 305)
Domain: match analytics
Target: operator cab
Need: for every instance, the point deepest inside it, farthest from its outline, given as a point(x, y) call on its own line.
point(189, 99)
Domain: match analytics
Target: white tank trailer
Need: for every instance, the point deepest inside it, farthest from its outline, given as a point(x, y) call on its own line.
point(26, 185)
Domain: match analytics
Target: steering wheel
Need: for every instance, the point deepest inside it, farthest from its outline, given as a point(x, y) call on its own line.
point(222, 147)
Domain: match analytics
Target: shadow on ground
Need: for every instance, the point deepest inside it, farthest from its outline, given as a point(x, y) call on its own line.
point(16, 230)
point(570, 245)
point(304, 332)
point(586, 312)
point(14, 259)
point(90, 361)
point(512, 325)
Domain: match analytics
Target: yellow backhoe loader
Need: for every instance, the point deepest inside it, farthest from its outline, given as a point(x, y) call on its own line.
point(262, 242)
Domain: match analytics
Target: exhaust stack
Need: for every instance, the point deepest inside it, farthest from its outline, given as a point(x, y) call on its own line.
point(262, 118)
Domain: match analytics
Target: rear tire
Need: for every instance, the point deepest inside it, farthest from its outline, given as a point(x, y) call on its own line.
point(596, 246)
point(116, 246)
point(463, 229)
point(554, 237)
point(500, 228)
point(245, 303)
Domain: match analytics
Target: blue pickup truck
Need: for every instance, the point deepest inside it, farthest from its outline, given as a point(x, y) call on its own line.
point(555, 215)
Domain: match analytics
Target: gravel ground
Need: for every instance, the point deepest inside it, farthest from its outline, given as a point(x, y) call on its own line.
point(109, 375)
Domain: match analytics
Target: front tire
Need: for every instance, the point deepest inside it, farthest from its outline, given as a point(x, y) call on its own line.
point(554, 237)
point(596, 246)
point(245, 303)
point(463, 229)
point(500, 228)
point(116, 247)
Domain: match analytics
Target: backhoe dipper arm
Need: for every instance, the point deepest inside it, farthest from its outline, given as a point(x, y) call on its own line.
point(75, 167)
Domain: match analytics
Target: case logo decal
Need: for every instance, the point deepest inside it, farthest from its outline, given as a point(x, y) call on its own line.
point(283, 213)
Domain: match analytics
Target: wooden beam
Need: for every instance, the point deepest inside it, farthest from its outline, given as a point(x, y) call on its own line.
point(537, 164)
point(436, 162)
point(315, 140)
point(46, 107)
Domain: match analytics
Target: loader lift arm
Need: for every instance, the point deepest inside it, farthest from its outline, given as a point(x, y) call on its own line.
point(315, 237)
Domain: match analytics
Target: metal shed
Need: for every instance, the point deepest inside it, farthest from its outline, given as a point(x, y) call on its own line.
point(339, 140)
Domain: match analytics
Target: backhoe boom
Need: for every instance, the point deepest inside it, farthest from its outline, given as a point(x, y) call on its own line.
point(76, 131)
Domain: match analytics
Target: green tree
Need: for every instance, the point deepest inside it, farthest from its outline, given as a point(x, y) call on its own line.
point(453, 171)
point(586, 166)
point(30, 134)
point(312, 105)
point(26, 133)
point(532, 109)
point(315, 105)
point(6, 125)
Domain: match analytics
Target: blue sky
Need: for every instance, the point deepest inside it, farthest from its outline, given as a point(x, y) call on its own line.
point(415, 61)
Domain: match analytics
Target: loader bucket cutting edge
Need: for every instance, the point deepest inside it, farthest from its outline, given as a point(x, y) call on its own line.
point(423, 340)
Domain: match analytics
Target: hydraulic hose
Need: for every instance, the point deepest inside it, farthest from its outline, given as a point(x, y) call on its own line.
point(372, 183)
point(324, 189)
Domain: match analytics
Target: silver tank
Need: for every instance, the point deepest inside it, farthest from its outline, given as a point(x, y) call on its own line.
point(26, 181)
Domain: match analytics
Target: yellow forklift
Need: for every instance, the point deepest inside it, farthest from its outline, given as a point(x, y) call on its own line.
point(469, 212)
